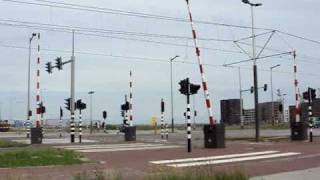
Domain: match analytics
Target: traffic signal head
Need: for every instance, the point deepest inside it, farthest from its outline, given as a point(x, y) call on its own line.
point(68, 103)
point(49, 67)
point(280, 108)
point(265, 87)
point(125, 106)
point(122, 113)
point(59, 63)
point(313, 94)
point(184, 86)
point(80, 105)
point(194, 88)
point(252, 89)
point(61, 112)
point(104, 114)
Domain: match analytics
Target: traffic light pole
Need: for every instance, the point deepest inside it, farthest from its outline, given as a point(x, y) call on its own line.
point(188, 119)
point(80, 126)
point(162, 119)
point(72, 93)
point(310, 114)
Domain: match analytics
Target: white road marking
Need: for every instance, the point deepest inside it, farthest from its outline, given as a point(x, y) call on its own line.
point(212, 157)
point(101, 145)
point(116, 147)
point(233, 160)
point(128, 149)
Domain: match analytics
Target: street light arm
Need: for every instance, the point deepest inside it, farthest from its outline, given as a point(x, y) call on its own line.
point(174, 58)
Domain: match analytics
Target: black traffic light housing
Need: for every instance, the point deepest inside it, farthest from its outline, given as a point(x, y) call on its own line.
point(188, 88)
point(68, 104)
point(80, 105)
point(184, 86)
point(125, 106)
point(104, 114)
point(59, 63)
point(312, 94)
point(265, 87)
point(49, 67)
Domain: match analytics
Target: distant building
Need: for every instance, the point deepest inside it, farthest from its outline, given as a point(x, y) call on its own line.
point(230, 112)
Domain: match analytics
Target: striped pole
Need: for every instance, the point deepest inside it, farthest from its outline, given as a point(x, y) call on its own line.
point(167, 131)
point(60, 122)
point(310, 114)
point(80, 126)
point(296, 89)
point(203, 79)
point(130, 100)
point(188, 119)
point(162, 119)
point(38, 102)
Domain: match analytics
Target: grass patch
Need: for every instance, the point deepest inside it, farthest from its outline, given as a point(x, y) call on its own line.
point(201, 174)
point(97, 175)
point(22, 157)
point(9, 144)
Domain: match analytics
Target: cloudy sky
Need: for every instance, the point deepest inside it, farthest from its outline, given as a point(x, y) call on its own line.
point(112, 43)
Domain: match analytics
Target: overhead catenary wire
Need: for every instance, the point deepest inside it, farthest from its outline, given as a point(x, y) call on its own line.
point(147, 59)
point(95, 9)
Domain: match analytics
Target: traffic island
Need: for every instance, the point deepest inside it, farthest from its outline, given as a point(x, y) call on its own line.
point(130, 133)
point(299, 131)
point(36, 136)
point(214, 136)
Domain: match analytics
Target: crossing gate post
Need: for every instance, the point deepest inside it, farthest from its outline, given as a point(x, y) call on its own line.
point(299, 128)
point(162, 119)
point(36, 133)
point(205, 87)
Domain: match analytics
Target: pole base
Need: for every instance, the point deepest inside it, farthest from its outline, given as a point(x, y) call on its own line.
point(214, 136)
point(130, 133)
point(299, 131)
point(36, 136)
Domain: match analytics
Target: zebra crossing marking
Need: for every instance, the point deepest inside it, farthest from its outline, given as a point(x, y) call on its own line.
point(216, 160)
point(116, 147)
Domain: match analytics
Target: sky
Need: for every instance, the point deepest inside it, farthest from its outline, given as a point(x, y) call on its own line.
point(103, 62)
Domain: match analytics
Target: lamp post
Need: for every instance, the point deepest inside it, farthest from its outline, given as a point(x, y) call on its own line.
point(272, 103)
point(91, 93)
point(172, 119)
point(28, 96)
point(255, 73)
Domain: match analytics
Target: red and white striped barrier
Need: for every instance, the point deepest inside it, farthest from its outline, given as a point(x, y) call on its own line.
point(130, 100)
point(38, 100)
point(203, 79)
point(296, 88)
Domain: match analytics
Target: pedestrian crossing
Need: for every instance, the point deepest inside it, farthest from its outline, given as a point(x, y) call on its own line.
point(116, 147)
point(224, 159)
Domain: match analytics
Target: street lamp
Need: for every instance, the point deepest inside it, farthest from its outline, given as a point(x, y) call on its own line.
point(272, 103)
point(255, 73)
point(172, 119)
point(91, 93)
point(28, 101)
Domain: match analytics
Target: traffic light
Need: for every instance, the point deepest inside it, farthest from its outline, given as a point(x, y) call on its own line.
point(49, 67)
point(195, 113)
point(68, 103)
point(61, 112)
point(194, 88)
point(125, 107)
point(184, 86)
point(59, 63)
point(104, 114)
point(281, 108)
point(43, 108)
point(252, 89)
point(313, 93)
point(265, 87)
point(80, 105)
point(122, 113)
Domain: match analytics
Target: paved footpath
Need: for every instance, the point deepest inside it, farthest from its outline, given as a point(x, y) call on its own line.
point(308, 174)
